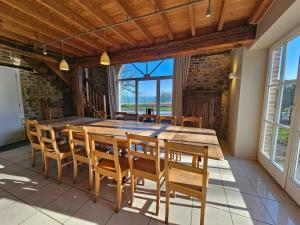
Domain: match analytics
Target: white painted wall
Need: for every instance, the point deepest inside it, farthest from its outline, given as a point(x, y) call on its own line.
point(246, 101)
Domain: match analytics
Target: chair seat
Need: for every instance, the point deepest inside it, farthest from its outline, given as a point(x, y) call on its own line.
point(186, 179)
point(147, 165)
point(110, 165)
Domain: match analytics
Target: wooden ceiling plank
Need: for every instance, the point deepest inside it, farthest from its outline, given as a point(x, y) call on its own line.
point(130, 14)
point(30, 23)
point(192, 20)
point(157, 5)
point(223, 14)
point(34, 37)
point(30, 10)
point(95, 9)
point(64, 11)
point(212, 42)
point(259, 10)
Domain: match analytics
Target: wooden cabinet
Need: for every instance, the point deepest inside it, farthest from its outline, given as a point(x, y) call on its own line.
point(206, 104)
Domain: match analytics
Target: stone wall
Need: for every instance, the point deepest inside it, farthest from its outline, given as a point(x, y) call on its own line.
point(209, 72)
point(35, 87)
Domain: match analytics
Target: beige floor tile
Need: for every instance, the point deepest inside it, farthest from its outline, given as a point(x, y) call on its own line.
point(215, 198)
point(40, 218)
point(16, 213)
point(234, 170)
point(66, 205)
point(271, 191)
point(92, 214)
point(241, 220)
point(6, 199)
point(257, 173)
point(128, 218)
point(282, 214)
point(213, 216)
point(247, 206)
point(239, 184)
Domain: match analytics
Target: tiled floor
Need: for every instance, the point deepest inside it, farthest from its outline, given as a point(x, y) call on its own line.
point(240, 192)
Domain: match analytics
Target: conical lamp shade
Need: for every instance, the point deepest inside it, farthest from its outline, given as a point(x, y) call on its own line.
point(104, 59)
point(64, 65)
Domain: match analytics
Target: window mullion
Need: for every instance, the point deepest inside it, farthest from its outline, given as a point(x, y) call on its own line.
point(158, 96)
point(136, 96)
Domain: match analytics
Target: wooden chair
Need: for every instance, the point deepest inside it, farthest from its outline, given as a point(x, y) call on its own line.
point(186, 179)
point(53, 149)
point(120, 115)
point(191, 120)
point(169, 119)
point(108, 165)
point(151, 118)
point(146, 166)
point(100, 114)
point(80, 148)
point(132, 117)
point(32, 134)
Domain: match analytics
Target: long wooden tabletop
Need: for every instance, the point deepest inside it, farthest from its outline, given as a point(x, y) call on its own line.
point(118, 128)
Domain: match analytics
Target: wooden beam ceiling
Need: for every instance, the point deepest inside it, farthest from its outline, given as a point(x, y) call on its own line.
point(213, 42)
point(158, 6)
point(96, 10)
point(259, 9)
point(224, 9)
point(192, 20)
point(130, 14)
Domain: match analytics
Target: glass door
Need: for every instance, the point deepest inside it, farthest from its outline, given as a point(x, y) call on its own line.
point(280, 110)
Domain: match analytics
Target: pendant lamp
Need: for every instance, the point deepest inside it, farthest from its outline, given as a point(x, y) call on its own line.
point(63, 65)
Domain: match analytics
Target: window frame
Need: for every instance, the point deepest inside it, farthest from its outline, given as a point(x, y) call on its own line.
point(158, 80)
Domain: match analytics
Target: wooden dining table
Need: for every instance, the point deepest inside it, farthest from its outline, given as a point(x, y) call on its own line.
point(119, 128)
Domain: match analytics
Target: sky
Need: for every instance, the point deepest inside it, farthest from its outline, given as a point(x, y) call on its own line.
point(292, 59)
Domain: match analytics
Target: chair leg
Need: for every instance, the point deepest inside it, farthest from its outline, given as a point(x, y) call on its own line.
point(194, 161)
point(167, 202)
point(132, 181)
point(90, 177)
point(43, 161)
point(157, 196)
point(75, 170)
point(203, 205)
point(46, 166)
point(97, 185)
point(33, 156)
point(59, 171)
point(119, 195)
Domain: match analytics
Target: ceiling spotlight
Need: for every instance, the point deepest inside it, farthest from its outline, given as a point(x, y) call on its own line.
point(44, 50)
point(208, 11)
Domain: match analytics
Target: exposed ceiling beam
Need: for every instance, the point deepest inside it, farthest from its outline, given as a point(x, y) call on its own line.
point(212, 42)
point(95, 9)
point(224, 9)
point(157, 5)
point(63, 75)
point(259, 10)
point(192, 20)
point(76, 18)
point(129, 13)
point(31, 10)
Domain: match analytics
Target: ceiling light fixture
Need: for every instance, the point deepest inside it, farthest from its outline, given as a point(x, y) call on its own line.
point(208, 11)
point(104, 59)
point(44, 50)
point(63, 65)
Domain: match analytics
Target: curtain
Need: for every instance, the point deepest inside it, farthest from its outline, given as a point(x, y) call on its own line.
point(181, 71)
point(113, 88)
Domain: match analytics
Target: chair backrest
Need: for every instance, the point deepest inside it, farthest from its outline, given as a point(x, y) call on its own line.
point(32, 133)
point(48, 138)
point(78, 137)
point(132, 116)
point(98, 154)
point(189, 150)
point(150, 118)
point(168, 119)
point(191, 120)
point(132, 154)
point(120, 115)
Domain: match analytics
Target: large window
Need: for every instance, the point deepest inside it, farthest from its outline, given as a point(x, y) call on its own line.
point(146, 85)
